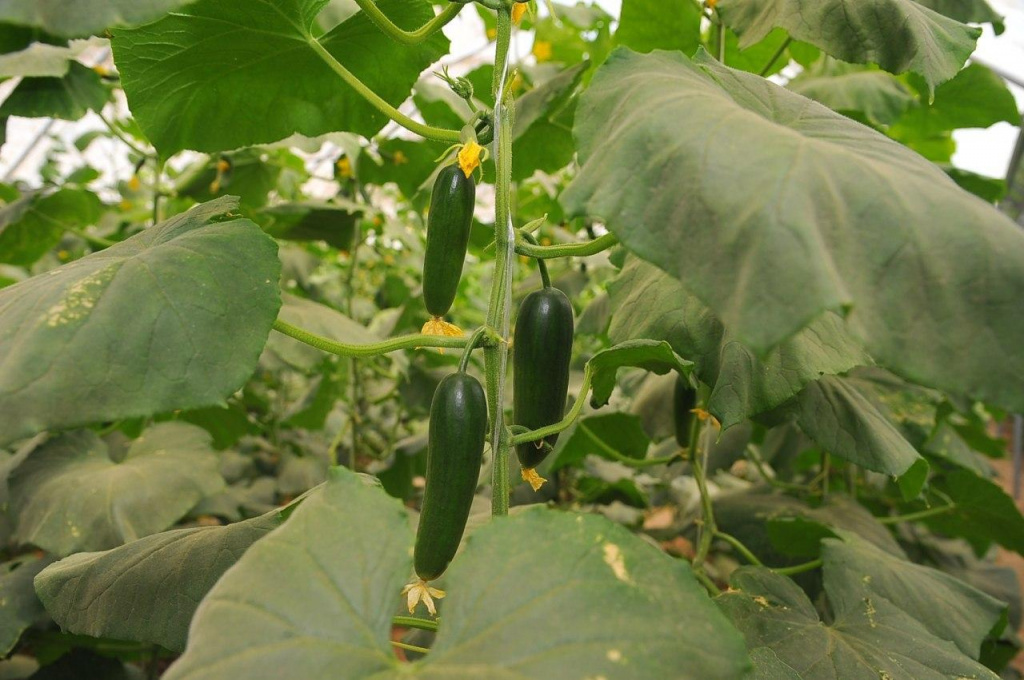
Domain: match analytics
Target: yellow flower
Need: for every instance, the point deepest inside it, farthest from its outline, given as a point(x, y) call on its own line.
point(542, 50)
point(518, 10)
point(469, 157)
point(344, 167)
point(531, 477)
point(418, 591)
point(134, 183)
point(492, 33)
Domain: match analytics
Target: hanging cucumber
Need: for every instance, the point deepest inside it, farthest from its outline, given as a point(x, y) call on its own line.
point(684, 400)
point(540, 358)
point(449, 223)
point(455, 445)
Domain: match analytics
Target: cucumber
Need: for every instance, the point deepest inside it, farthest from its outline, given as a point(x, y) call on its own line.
point(684, 400)
point(448, 226)
point(455, 446)
point(540, 360)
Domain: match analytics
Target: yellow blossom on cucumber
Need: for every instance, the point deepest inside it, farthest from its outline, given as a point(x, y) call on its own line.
point(469, 157)
point(531, 477)
point(518, 10)
point(344, 167)
point(440, 327)
point(134, 184)
point(542, 50)
point(418, 591)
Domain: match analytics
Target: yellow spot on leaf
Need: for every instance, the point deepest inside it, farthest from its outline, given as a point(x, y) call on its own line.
point(531, 477)
point(469, 157)
point(80, 298)
point(614, 655)
point(869, 611)
point(418, 591)
point(542, 50)
point(613, 558)
point(762, 601)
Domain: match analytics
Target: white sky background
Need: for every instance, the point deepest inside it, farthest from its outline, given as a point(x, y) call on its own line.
point(986, 152)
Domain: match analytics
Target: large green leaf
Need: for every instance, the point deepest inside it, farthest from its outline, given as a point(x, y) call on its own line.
point(220, 75)
point(773, 209)
point(898, 35)
point(879, 96)
point(984, 513)
point(948, 607)
point(114, 594)
point(329, 222)
point(70, 494)
point(868, 637)
point(316, 318)
point(69, 97)
point(844, 422)
point(347, 554)
point(650, 304)
point(31, 226)
point(542, 134)
point(173, 317)
point(646, 25)
point(83, 17)
point(19, 606)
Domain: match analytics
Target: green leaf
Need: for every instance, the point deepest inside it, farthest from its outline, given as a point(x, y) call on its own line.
point(408, 164)
point(650, 304)
point(19, 606)
point(114, 594)
point(984, 513)
point(898, 35)
point(220, 75)
point(650, 355)
point(33, 225)
point(84, 17)
point(646, 25)
point(976, 98)
point(879, 96)
point(966, 11)
point(833, 413)
point(347, 553)
point(991, 189)
point(334, 224)
point(948, 607)
point(68, 97)
point(37, 60)
point(250, 175)
point(768, 523)
point(70, 494)
point(542, 135)
point(621, 432)
point(868, 636)
point(171, 318)
point(772, 210)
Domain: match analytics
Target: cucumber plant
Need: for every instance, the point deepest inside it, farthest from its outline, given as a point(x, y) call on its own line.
point(765, 339)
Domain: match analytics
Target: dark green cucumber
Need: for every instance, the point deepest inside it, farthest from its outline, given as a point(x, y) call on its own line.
point(684, 400)
point(540, 359)
point(455, 447)
point(448, 226)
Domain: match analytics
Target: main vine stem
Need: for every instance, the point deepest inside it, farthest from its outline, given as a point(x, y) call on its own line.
point(499, 311)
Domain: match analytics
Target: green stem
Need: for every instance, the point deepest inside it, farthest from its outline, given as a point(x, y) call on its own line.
point(585, 249)
point(411, 648)
point(625, 460)
point(826, 472)
point(413, 622)
point(375, 349)
point(124, 140)
point(740, 548)
point(158, 171)
point(915, 516)
point(798, 569)
point(97, 241)
point(708, 527)
point(564, 423)
point(775, 57)
point(755, 457)
point(545, 279)
point(721, 41)
point(428, 29)
point(426, 131)
point(470, 346)
point(707, 582)
point(499, 311)
point(502, 42)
